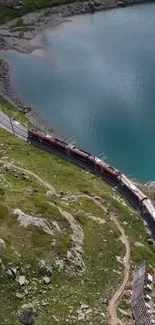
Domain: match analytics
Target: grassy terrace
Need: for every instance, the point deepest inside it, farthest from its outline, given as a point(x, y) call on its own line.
point(26, 246)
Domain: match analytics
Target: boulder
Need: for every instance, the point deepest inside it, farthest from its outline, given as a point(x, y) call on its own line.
point(27, 314)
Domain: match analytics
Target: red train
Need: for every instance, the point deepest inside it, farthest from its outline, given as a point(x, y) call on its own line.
point(76, 153)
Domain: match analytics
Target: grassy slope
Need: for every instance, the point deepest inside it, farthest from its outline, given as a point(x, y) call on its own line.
point(12, 111)
point(7, 14)
point(25, 246)
point(101, 243)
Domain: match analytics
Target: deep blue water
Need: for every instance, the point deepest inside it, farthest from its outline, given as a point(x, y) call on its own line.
point(95, 81)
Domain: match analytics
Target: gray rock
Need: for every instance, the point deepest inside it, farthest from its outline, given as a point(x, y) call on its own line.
point(27, 314)
point(19, 295)
point(84, 306)
point(138, 244)
point(9, 273)
point(49, 193)
point(150, 241)
point(123, 312)
point(31, 191)
point(46, 280)
point(2, 246)
point(25, 176)
point(14, 270)
point(44, 303)
point(22, 280)
point(81, 316)
point(45, 269)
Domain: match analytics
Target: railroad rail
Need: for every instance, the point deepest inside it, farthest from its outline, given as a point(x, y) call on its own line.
point(88, 161)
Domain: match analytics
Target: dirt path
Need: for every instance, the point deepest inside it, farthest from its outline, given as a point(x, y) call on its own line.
point(113, 303)
point(23, 170)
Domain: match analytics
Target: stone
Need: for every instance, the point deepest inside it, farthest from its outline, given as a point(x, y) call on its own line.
point(105, 301)
point(81, 316)
point(84, 306)
point(45, 269)
point(26, 177)
point(138, 244)
point(22, 280)
point(27, 314)
point(123, 312)
point(49, 193)
point(69, 255)
point(19, 295)
point(150, 241)
point(14, 270)
point(31, 191)
point(44, 303)
point(9, 273)
point(61, 193)
point(46, 280)
point(2, 246)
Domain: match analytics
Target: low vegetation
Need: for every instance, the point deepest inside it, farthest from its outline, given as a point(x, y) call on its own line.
point(6, 14)
point(11, 110)
point(60, 223)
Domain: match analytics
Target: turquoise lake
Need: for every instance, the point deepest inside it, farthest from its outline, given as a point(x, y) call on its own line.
point(95, 80)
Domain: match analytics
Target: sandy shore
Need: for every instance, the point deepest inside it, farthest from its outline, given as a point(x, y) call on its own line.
point(19, 33)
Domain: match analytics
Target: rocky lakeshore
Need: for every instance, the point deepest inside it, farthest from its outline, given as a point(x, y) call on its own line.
point(19, 33)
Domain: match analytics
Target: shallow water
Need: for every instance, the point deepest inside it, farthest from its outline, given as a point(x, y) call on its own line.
point(95, 80)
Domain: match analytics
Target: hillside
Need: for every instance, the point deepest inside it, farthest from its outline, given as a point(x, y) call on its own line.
point(64, 234)
point(13, 8)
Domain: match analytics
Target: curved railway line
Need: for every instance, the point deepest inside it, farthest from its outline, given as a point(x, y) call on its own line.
point(85, 160)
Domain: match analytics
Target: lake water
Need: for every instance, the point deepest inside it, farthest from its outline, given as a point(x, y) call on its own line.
point(95, 80)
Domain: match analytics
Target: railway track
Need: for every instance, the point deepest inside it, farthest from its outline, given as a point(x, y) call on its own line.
point(21, 131)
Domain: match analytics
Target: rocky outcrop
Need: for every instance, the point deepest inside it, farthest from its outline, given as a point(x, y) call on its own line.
point(75, 255)
point(27, 314)
point(26, 220)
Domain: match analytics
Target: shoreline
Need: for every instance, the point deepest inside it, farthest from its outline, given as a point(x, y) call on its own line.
point(20, 39)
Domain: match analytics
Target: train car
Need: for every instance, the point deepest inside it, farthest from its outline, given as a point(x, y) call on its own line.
point(111, 172)
point(79, 154)
point(132, 191)
point(33, 135)
point(48, 141)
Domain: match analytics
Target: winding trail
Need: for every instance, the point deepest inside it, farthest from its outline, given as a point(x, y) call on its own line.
point(113, 303)
point(23, 170)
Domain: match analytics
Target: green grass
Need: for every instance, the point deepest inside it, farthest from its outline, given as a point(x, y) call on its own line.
point(6, 14)
point(12, 111)
point(26, 245)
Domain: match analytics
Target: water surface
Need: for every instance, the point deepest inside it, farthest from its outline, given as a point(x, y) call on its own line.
point(95, 80)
